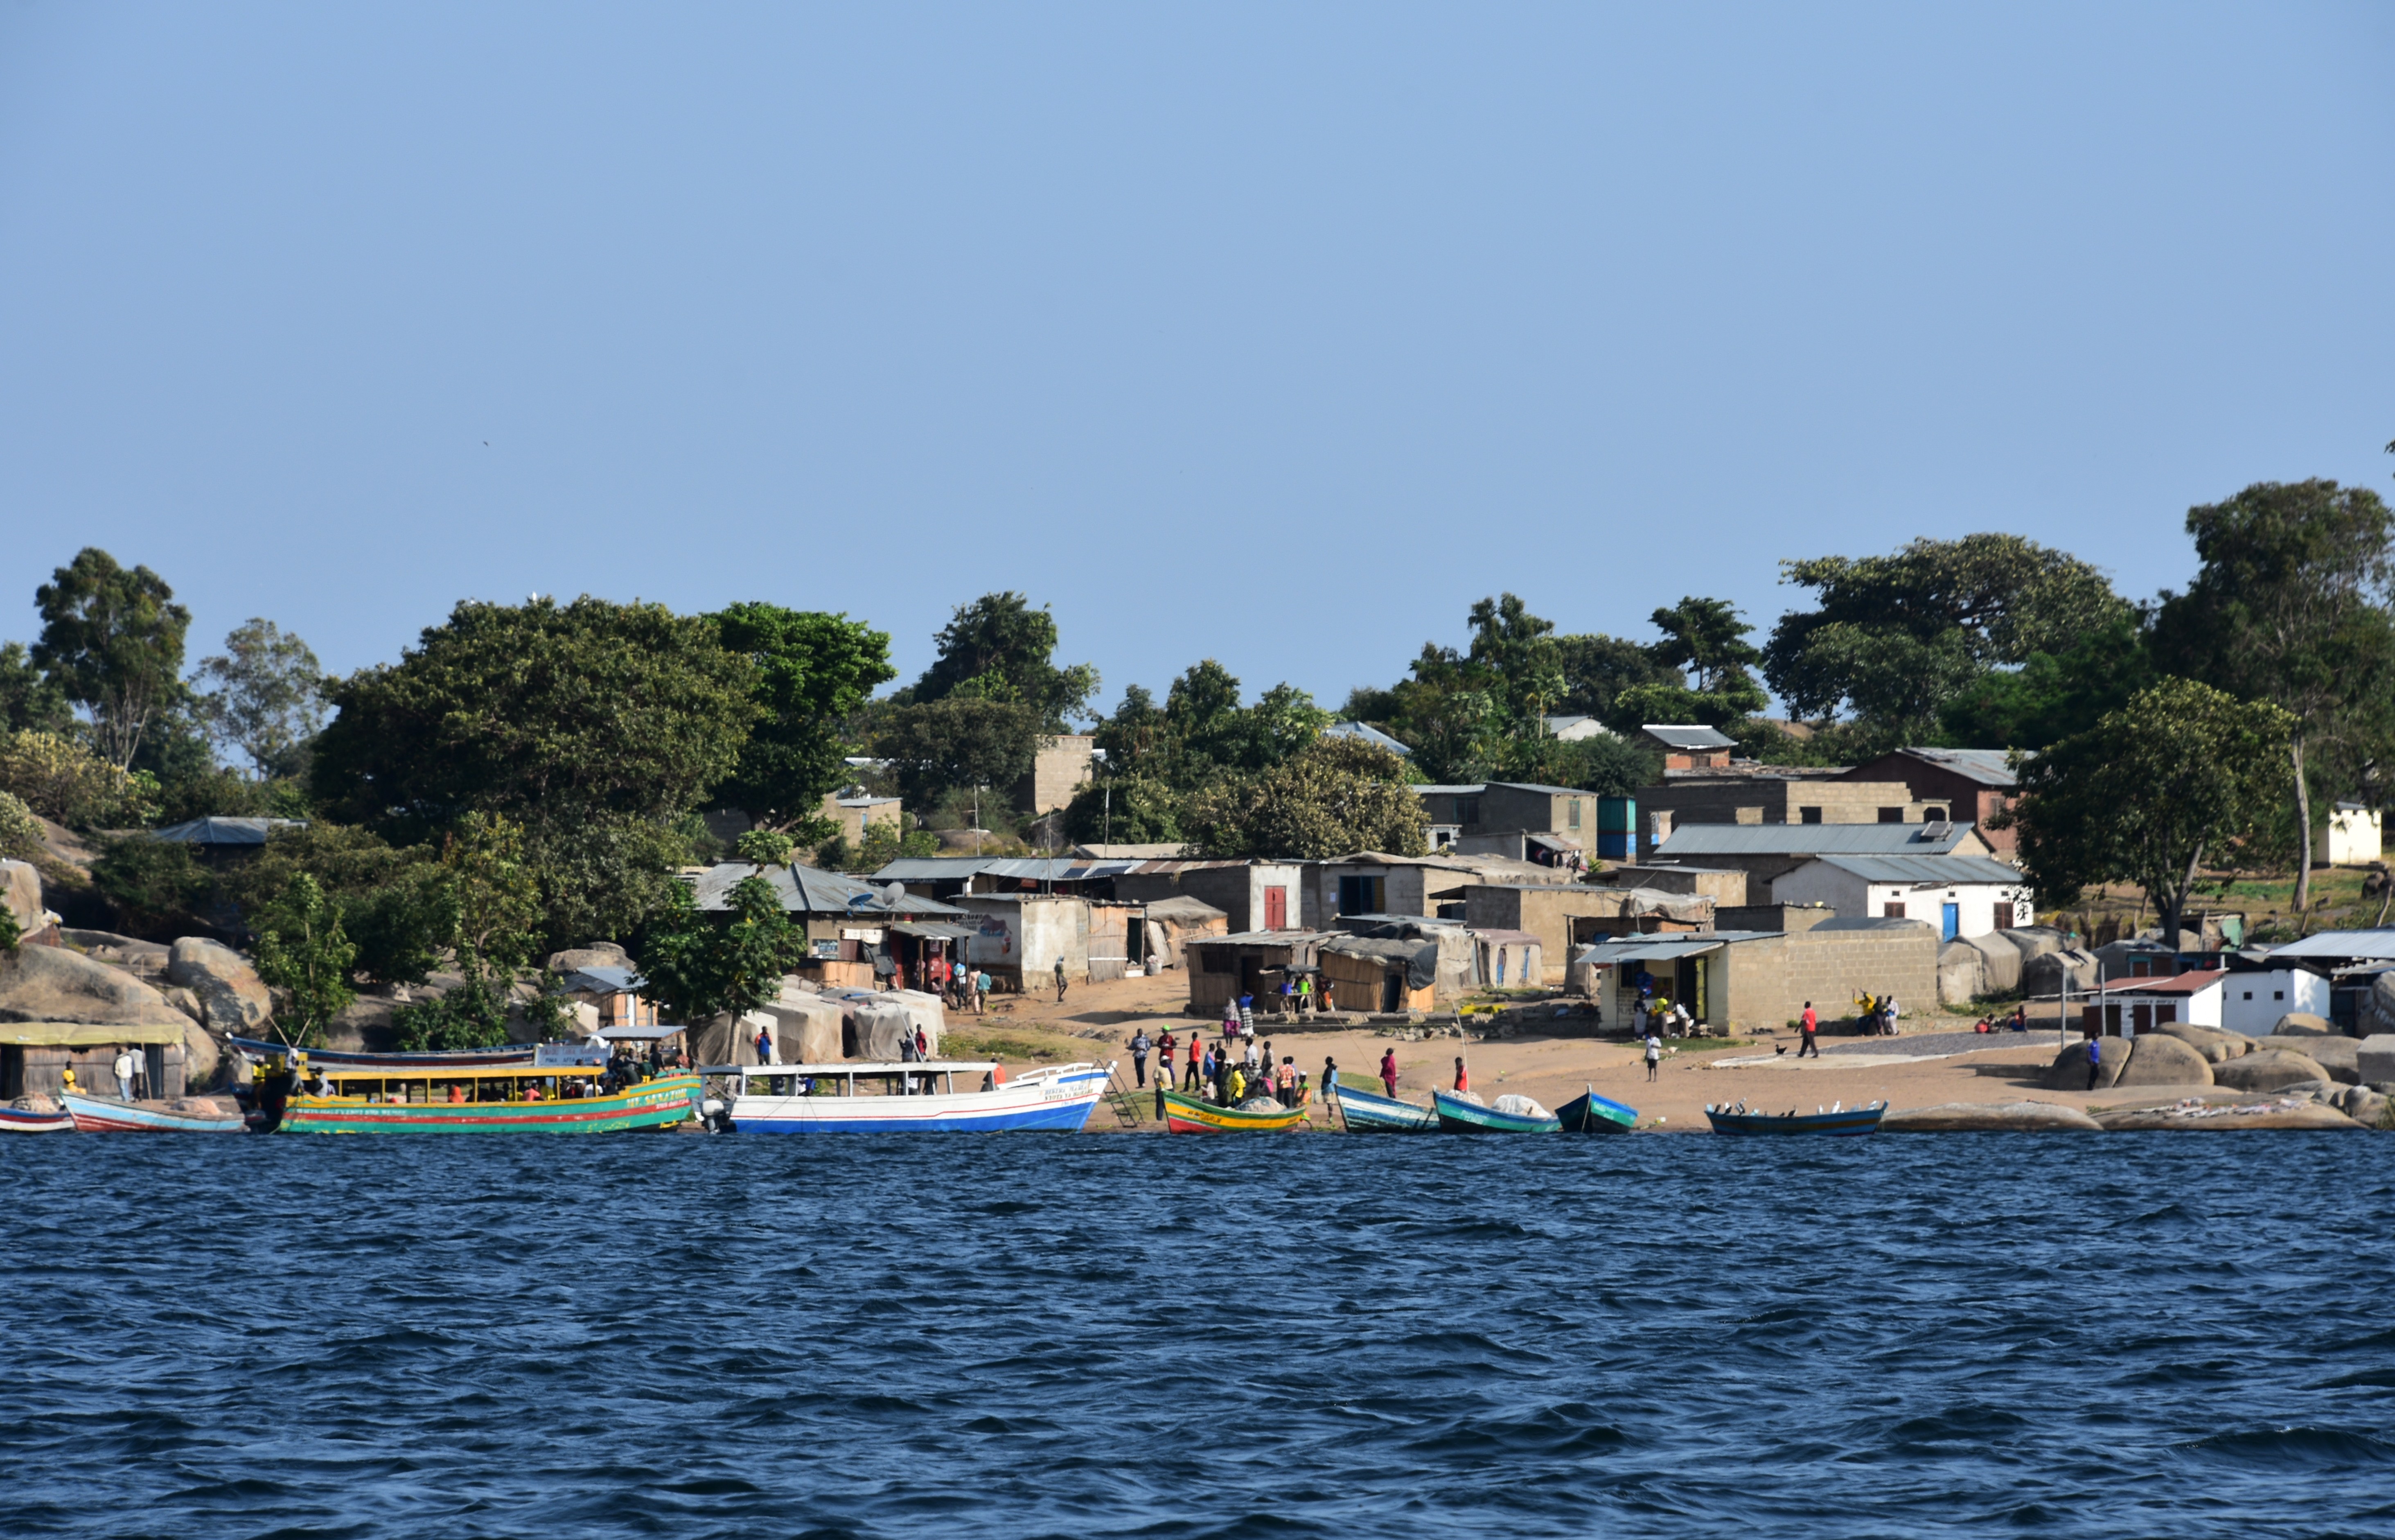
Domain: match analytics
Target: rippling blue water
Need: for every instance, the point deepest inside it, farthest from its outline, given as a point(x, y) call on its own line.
point(1022, 1334)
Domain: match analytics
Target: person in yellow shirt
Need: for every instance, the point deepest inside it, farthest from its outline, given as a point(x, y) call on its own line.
point(1239, 1086)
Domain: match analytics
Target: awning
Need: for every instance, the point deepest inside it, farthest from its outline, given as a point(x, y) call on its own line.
point(1647, 949)
point(933, 930)
point(654, 1032)
point(84, 1035)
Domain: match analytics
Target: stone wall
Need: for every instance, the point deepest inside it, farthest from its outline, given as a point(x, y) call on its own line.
point(1768, 981)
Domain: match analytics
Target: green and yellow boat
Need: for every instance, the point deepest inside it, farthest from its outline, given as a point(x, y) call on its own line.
point(1188, 1115)
point(510, 1099)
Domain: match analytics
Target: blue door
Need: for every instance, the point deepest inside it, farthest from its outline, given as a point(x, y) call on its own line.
point(1950, 921)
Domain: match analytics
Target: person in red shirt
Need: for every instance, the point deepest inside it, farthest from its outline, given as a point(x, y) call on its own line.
point(1389, 1070)
point(1812, 1024)
point(1463, 1078)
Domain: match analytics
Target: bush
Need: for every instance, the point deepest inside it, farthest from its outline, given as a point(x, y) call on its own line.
point(60, 779)
point(20, 832)
point(156, 887)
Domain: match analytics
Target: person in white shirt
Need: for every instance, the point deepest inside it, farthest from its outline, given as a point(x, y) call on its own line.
point(124, 1068)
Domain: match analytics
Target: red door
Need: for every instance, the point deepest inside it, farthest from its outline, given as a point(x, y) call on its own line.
point(1276, 909)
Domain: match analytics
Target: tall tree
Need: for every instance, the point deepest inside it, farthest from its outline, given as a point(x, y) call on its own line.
point(813, 672)
point(1894, 637)
point(112, 640)
point(699, 967)
point(1339, 796)
point(595, 725)
point(304, 955)
point(958, 740)
point(1596, 669)
point(999, 637)
point(2291, 606)
point(2177, 776)
point(30, 702)
point(265, 696)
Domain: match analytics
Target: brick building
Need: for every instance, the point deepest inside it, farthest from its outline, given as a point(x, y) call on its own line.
point(1963, 785)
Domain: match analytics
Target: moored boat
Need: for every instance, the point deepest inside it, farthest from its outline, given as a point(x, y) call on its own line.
point(1594, 1114)
point(17, 1120)
point(94, 1114)
point(459, 1059)
point(1836, 1121)
point(877, 1097)
point(512, 1099)
point(1370, 1112)
point(1458, 1115)
point(1188, 1115)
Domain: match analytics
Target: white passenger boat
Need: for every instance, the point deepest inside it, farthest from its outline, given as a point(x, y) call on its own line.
point(950, 1095)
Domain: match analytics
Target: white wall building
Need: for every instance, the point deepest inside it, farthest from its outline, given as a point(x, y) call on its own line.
point(2252, 1003)
point(1961, 895)
point(2352, 838)
point(2131, 1005)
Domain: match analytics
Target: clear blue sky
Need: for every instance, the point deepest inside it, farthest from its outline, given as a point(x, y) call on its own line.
point(1275, 333)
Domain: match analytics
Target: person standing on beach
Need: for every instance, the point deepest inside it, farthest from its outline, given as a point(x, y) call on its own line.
point(1654, 1055)
point(2095, 1060)
point(1060, 980)
point(1140, 1044)
point(1198, 1050)
point(1389, 1070)
point(1164, 1060)
point(1330, 1076)
point(1812, 1024)
point(1463, 1078)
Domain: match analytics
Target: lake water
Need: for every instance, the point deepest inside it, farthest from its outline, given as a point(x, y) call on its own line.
point(1023, 1334)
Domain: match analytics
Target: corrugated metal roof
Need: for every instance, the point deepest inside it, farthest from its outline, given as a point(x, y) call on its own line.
point(1816, 839)
point(1929, 871)
point(1026, 868)
point(1365, 732)
point(1991, 767)
point(1649, 949)
point(1688, 735)
point(1472, 790)
point(805, 890)
point(2178, 984)
point(2340, 943)
point(224, 831)
point(1542, 790)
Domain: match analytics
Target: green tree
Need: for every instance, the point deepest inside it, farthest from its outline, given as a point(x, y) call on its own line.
point(1596, 669)
point(1339, 796)
point(20, 832)
point(2291, 606)
point(813, 672)
point(594, 726)
point(2180, 775)
point(1607, 765)
point(958, 741)
point(492, 906)
point(157, 887)
point(396, 905)
point(60, 779)
point(699, 967)
point(1001, 637)
point(264, 698)
point(30, 702)
point(113, 641)
point(1895, 637)
point(764, 846)
point(304, 955)
point(1125, 809)
point(2052, 695)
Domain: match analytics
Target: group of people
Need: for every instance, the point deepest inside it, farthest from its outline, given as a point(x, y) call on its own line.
point(1234, 1070)
point(962, 985)
point(1876, 1014)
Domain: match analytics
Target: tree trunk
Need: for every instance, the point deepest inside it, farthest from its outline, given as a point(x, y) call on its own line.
point(2173, 905)
point(2304, 826)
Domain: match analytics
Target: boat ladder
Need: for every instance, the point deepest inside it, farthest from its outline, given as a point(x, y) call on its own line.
point(1125, 1104)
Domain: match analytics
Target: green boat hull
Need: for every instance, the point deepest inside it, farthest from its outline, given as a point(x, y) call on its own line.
point(1458, 1116)
point(653, 1104)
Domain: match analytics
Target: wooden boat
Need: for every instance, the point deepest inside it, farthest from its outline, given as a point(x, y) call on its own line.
point(1187, 1114)
point(1594, 1114)
point(461, 1059)
point(1458, 1116)
point(100, 1116)
point(16, 1120)
point(1369, 1112)
point(876, 1098)
point(1854, 1120)
point(381, 1100)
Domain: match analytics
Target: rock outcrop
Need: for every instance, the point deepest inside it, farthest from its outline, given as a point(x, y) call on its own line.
point(2010, 1117)
point(233, 999)
point(2341, 1056)
point(2270, 1070)
point(2069, 1070)
point(2215, 1045)
point(595, 955)
point(2157, 1058)
point(2303, 1023)
point(2377, 1011)
point(2217, 1118)
point(20, 890)
point(2374, 1058)
point(51, 983)
point(2363, 1104)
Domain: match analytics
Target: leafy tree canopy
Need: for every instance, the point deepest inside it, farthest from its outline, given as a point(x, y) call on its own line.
point(1202, 731)
point(305, 957)
point(1004, 650)
point(1339, 796)
point(2175, 779)
point(958, 741)
point(1894, 637)
point(2052, 695)
point(264, 696)
point(813, 672)
point(30, 700)
point(112, 642)
point(1126, 809)
point(699, 966)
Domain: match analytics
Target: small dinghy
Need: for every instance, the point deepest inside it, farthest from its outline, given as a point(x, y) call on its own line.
point(18, 1120)
point(1833, 1120)
point(1370, 1112)
point(1594, 1114)
point(100, 1116)
point(1187, 1114)
point(1512, 1114)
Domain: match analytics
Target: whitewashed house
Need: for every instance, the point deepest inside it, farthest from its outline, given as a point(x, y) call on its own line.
point(2253, 1002)
point(2128, 1006)
point(2352, 838)
point(1959, 895)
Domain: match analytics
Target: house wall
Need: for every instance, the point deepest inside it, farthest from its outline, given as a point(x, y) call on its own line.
point(1964, 799)
point(1239, 891)
point(1817, 882)
point(1566, 815)
point(1057, 771)
point(1361, 984)
point(1546, 913)
point(1766, 983)
point(1727, 886)
point(2272, 995)
point(2351, 838)
point(857, 814)
point(1220, 972)
point(1405, 889)
point(2125, 1013)
point(1108, 938)
point(1781, 799)
point(1020, 939)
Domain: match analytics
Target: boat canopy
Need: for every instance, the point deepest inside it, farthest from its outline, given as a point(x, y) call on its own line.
point(877, 1066)
point(656, 1031)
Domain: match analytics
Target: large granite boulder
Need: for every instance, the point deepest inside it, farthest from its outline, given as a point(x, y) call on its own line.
point(2360, 1103)
point(2303, 1023)
point(2270, 1070)
point(2225, 1118)
point(2213, 1044)
point(2375, 1059)
point(2069, 1070)
point(2376, 1014)
point(233, 999)
point(595, 954)
point(204, 1058)
point(2341, 1056)
point(2041, 976)
point(1962, 974)
point(51, 983)
point(2010, 1117)
point(2157, 1058)
point(20, 890)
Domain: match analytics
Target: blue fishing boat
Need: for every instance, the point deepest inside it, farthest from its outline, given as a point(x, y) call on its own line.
point(1461, 1115)
point(1834, 1120)
point(1369, 1113)
point(94, 1114)
point(1594, 1114)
